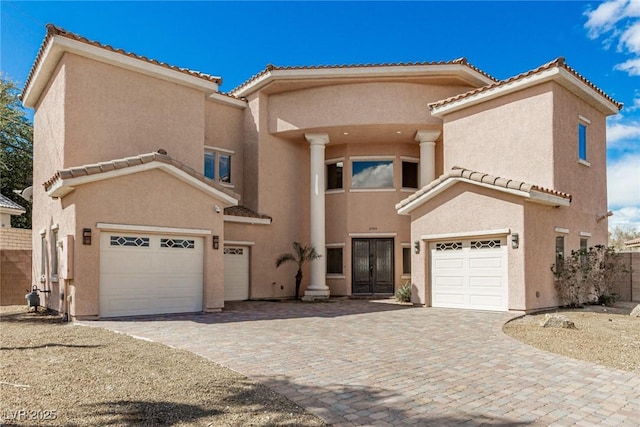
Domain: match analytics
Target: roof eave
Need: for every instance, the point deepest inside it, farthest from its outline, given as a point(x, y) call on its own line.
point(57, 45)
point(556, 74)
point(11, 211)
point(406, 206)
point(270, 75)
point(63, 186)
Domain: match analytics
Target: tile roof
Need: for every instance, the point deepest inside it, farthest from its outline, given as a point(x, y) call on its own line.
point(7, 203)
point(271, 67)
point(244, 212)
point(158, 156)
point(53, 30)
point(556, 63)
point(483, 178)
point(633, 242)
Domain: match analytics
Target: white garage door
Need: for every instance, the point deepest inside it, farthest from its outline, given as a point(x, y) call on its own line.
point(236, 273)
point(469, 274)
point(150, 274)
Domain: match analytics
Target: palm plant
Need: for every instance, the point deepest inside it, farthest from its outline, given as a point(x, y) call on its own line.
point(301, 255)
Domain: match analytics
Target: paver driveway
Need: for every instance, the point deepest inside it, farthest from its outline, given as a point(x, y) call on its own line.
point(357, 362)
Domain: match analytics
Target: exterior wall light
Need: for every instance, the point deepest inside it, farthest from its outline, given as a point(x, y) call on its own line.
point(416, 246)
point(216, 242)
point(86, 236)
point(515, 240)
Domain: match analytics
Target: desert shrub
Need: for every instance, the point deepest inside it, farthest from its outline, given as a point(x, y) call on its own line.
point(404, 292)
point(588, 275)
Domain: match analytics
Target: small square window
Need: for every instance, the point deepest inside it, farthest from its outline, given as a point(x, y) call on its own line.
point(409, 174)
point(217, 166)
point(582, 141)
point(334, 261)
point(334, 176)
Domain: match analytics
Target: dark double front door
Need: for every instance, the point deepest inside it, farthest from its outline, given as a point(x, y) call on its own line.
point(372, 266)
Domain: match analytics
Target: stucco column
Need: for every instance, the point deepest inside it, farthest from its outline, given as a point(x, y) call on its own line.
point(318, 288)
point(427, 140)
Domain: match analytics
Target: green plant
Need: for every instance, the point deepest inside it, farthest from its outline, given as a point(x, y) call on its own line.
point(404, 292)
point(588, 275)
point(300, 256)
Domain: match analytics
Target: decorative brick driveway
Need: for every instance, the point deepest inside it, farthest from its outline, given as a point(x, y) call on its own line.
point(365, 363)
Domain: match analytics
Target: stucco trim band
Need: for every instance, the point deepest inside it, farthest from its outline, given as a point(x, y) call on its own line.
point(466, 234)
point(152, 229)
point(247, 220)
point(239, 243)
point(373, 234)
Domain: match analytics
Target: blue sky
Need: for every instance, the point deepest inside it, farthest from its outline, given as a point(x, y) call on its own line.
point(235, 40)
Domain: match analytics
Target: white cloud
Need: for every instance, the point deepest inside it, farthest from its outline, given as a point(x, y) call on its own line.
point(623, 182)
point(605, 17)
point(628, 217)
point(630, 38)
point(618, 130)
point(620, 19)
point(631, 66)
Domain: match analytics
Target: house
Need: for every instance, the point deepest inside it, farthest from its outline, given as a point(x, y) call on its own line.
point(157, 193)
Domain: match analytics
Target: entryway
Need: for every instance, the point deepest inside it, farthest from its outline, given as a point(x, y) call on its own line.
point(372, 266)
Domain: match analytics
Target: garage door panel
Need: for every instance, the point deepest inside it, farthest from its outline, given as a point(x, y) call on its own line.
point(449, 263)
point(485, 262)
point(486, 282)
point(236, 273)
point(469, 274)
point(149, 279)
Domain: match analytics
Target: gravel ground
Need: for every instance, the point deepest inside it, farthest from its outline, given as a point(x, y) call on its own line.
point(71, 375)
point(604, 335)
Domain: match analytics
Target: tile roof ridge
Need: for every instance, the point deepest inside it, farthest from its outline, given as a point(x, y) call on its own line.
point(559, 62)
point(158, 156)
point(271, 67)
point(53, 30)
point(497, 181)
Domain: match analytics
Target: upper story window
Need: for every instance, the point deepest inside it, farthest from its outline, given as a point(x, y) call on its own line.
point(372, 174)
point(217, 165)
point(409, 174)
point(334, 176)
point(582, 141)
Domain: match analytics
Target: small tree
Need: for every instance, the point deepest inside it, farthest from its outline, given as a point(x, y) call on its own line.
point(301, 255)
point(16, 147)
point(588, 275)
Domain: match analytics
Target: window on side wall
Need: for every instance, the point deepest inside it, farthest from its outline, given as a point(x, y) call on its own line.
point(334, 261)
point(559, 254)
point(584, 248)
point(217, 166)
point(43, 257)
point(372, 174)
point(582, 141)
point(406, 261)
point(334, 176)
point(409, 174)
point(54, 254)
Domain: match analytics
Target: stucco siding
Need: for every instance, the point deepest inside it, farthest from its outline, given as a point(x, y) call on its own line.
point(151, 198)
point(223, 129)
point(511, 137)
point(467, 209)
point(344, 105)
point(587, 184)
point(112, 113)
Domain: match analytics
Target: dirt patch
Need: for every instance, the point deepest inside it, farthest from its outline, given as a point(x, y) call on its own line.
point(66, 374)
point(604, 335)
